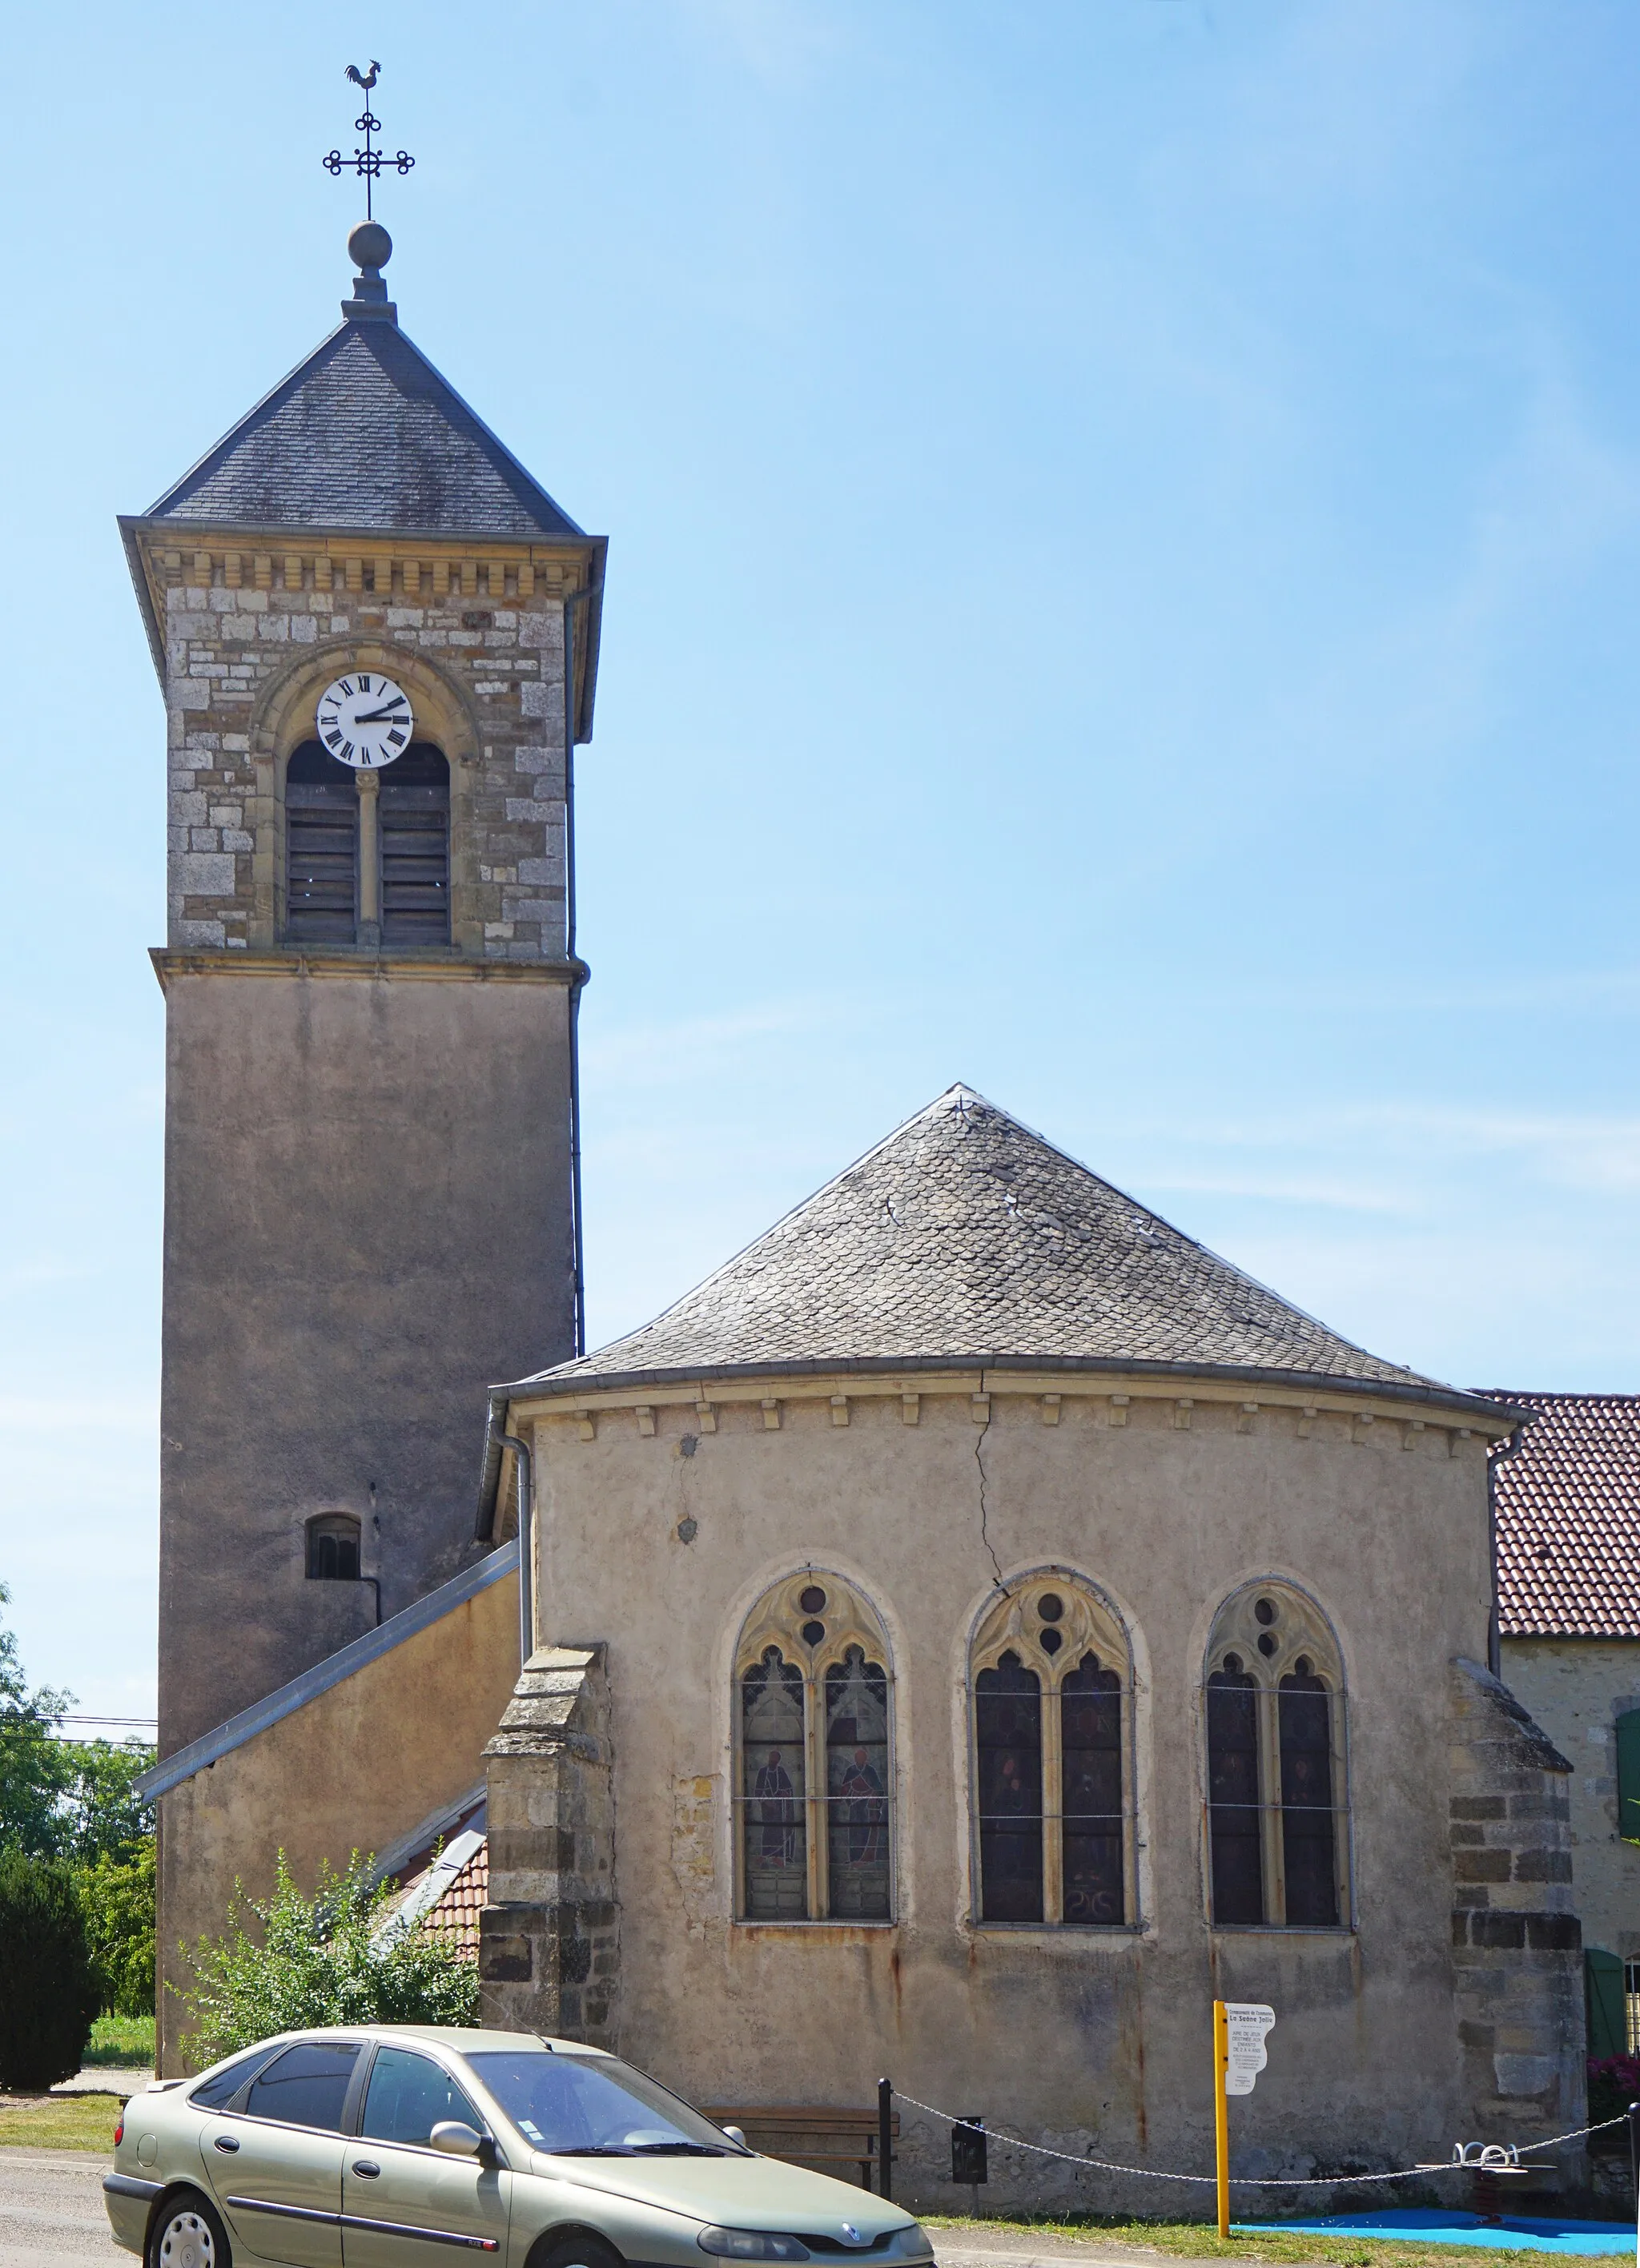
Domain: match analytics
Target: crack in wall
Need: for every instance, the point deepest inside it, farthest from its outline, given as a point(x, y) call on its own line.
point(979, 1443)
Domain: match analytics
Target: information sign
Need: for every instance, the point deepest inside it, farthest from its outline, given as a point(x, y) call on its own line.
point(1247, 2023)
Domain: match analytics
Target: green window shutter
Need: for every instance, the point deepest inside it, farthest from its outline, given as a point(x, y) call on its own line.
point(1603, 1996)
point(1628, 1776)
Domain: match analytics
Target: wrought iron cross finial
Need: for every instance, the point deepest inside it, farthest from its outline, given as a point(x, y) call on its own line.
point(368, 162)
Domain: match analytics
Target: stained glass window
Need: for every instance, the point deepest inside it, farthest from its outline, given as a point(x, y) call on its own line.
point(1008, 1734)
point(857, 1787)
point(1306, 1799)
point(1052, 1764)
point(1090, 1704)
point(1234, 1818)
point(815, 1775)
point(772, 1764)
point(1276, 1793)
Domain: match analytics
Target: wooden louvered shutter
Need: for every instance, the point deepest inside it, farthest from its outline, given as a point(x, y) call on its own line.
point(1603, 1999)
point(321, 840)
point(414, 815)
point(1628, 1776)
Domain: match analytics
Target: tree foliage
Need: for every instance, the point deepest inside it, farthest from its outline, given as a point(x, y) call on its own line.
point(74, 1803)
point(119, 1899)
point(289, 1963)
point(50, 1988)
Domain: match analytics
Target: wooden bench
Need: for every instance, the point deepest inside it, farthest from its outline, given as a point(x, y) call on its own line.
point(808, 2135)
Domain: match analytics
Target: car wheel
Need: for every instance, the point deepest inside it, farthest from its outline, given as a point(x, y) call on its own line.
point(186, 2234)
point(576, 2252)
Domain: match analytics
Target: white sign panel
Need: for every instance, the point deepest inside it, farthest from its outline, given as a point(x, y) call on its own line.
point(1247, 2023)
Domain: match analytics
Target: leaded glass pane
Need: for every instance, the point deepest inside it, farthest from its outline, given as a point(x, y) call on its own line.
point(1308, 1855)
point(1232, 1794)
point(856, 1785)
point(1008, 1736)
point(1095, 1879)
point(774, 1843)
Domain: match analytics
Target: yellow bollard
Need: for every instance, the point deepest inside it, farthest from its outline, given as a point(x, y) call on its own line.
point(1221, 2113)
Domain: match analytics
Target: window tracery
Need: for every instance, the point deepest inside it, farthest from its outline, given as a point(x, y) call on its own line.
point(1277, 1810)
point(1051, 1686)
point(813, 1763)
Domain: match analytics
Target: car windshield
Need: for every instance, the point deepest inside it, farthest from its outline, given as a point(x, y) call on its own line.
point(595, 2107)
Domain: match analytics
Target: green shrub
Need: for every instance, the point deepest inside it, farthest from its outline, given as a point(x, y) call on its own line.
point(119, 1901)
point(49, 1990)
point(289, 1963)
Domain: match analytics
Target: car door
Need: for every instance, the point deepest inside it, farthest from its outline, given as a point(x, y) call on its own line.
point(403, 2201)
point(274, 2158)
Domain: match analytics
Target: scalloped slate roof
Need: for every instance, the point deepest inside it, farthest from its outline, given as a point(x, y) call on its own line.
point(365, 434)
point(1568, 1519)
point(966, 1236)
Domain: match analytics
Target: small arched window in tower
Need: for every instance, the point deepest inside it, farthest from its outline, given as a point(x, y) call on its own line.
point(321, 843)
point(1052, 1683)
point(414, 816)
point(332, 1548)
point(813, 1767)
point(1276, 1788)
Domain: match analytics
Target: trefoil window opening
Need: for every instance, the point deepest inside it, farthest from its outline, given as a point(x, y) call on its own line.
point(814, 1741)
point(1051, 1681)
point(1277, 1798)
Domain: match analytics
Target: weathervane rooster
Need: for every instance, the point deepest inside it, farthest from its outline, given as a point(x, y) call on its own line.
point(368, 162)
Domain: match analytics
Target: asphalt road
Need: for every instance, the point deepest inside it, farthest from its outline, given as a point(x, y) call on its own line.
point(51, 2216)
point(51, 2211)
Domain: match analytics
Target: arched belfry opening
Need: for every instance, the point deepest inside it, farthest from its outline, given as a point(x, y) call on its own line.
point(367, 854)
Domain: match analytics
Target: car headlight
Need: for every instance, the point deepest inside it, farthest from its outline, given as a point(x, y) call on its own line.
point(913, 2243)
point(750, 2244)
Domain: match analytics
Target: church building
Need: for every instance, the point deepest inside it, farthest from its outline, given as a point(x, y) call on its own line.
point(963, 1636)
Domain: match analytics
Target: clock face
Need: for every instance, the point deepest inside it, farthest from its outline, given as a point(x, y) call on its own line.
point(365, 721)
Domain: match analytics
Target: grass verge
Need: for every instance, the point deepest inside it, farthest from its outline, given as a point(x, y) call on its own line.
point(1198, 2239)
point(126, 2040)
point(59, 2122)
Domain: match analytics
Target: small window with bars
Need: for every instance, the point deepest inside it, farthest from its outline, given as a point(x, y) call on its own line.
point(1631, 2006)
point(321, 829)
point(413, 817)
point(332, 1548)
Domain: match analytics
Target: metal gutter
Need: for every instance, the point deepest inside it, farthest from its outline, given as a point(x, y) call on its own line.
point(427, 1831)
point(408, 1622)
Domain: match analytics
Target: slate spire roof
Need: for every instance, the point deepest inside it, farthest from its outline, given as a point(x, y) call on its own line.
point(1568, 1502)
point(966, 1237)
point(365, 435)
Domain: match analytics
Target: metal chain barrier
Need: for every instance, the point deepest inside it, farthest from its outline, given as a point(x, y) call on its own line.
point(1246, 2180)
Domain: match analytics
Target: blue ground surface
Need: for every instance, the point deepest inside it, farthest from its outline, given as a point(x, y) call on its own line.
point(1433, 2225)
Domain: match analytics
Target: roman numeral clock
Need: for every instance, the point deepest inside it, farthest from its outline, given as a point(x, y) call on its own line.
point(365, 721)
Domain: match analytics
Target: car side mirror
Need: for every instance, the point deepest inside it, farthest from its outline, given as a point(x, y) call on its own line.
point(456, 2137)
point(735, 2135)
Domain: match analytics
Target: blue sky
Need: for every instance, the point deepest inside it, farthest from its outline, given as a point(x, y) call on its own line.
point(1125, 555)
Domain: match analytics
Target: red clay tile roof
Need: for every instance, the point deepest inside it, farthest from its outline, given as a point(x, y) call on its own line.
point(455, 1917)
point(1568, 1519)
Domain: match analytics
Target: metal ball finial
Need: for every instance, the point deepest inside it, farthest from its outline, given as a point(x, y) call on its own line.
point(370, 246)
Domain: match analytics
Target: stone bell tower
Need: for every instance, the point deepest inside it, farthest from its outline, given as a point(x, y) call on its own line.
point(378, 640)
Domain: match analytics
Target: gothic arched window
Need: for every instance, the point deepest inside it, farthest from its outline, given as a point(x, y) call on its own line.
point(814, 1726)
point(1051, 1682)
point(413, 810)
point(1278, 1794)
point(321, 848)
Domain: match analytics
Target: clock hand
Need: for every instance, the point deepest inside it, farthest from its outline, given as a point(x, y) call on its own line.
point(379, 715)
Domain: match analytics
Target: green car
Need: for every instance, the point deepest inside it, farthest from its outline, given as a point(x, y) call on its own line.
point(372, 2146)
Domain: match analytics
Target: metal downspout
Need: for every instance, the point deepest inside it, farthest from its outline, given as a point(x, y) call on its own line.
point(577, 598)
point(526, 1524)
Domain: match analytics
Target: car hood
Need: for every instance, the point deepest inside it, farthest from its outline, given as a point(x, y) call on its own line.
point(739, 2192)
